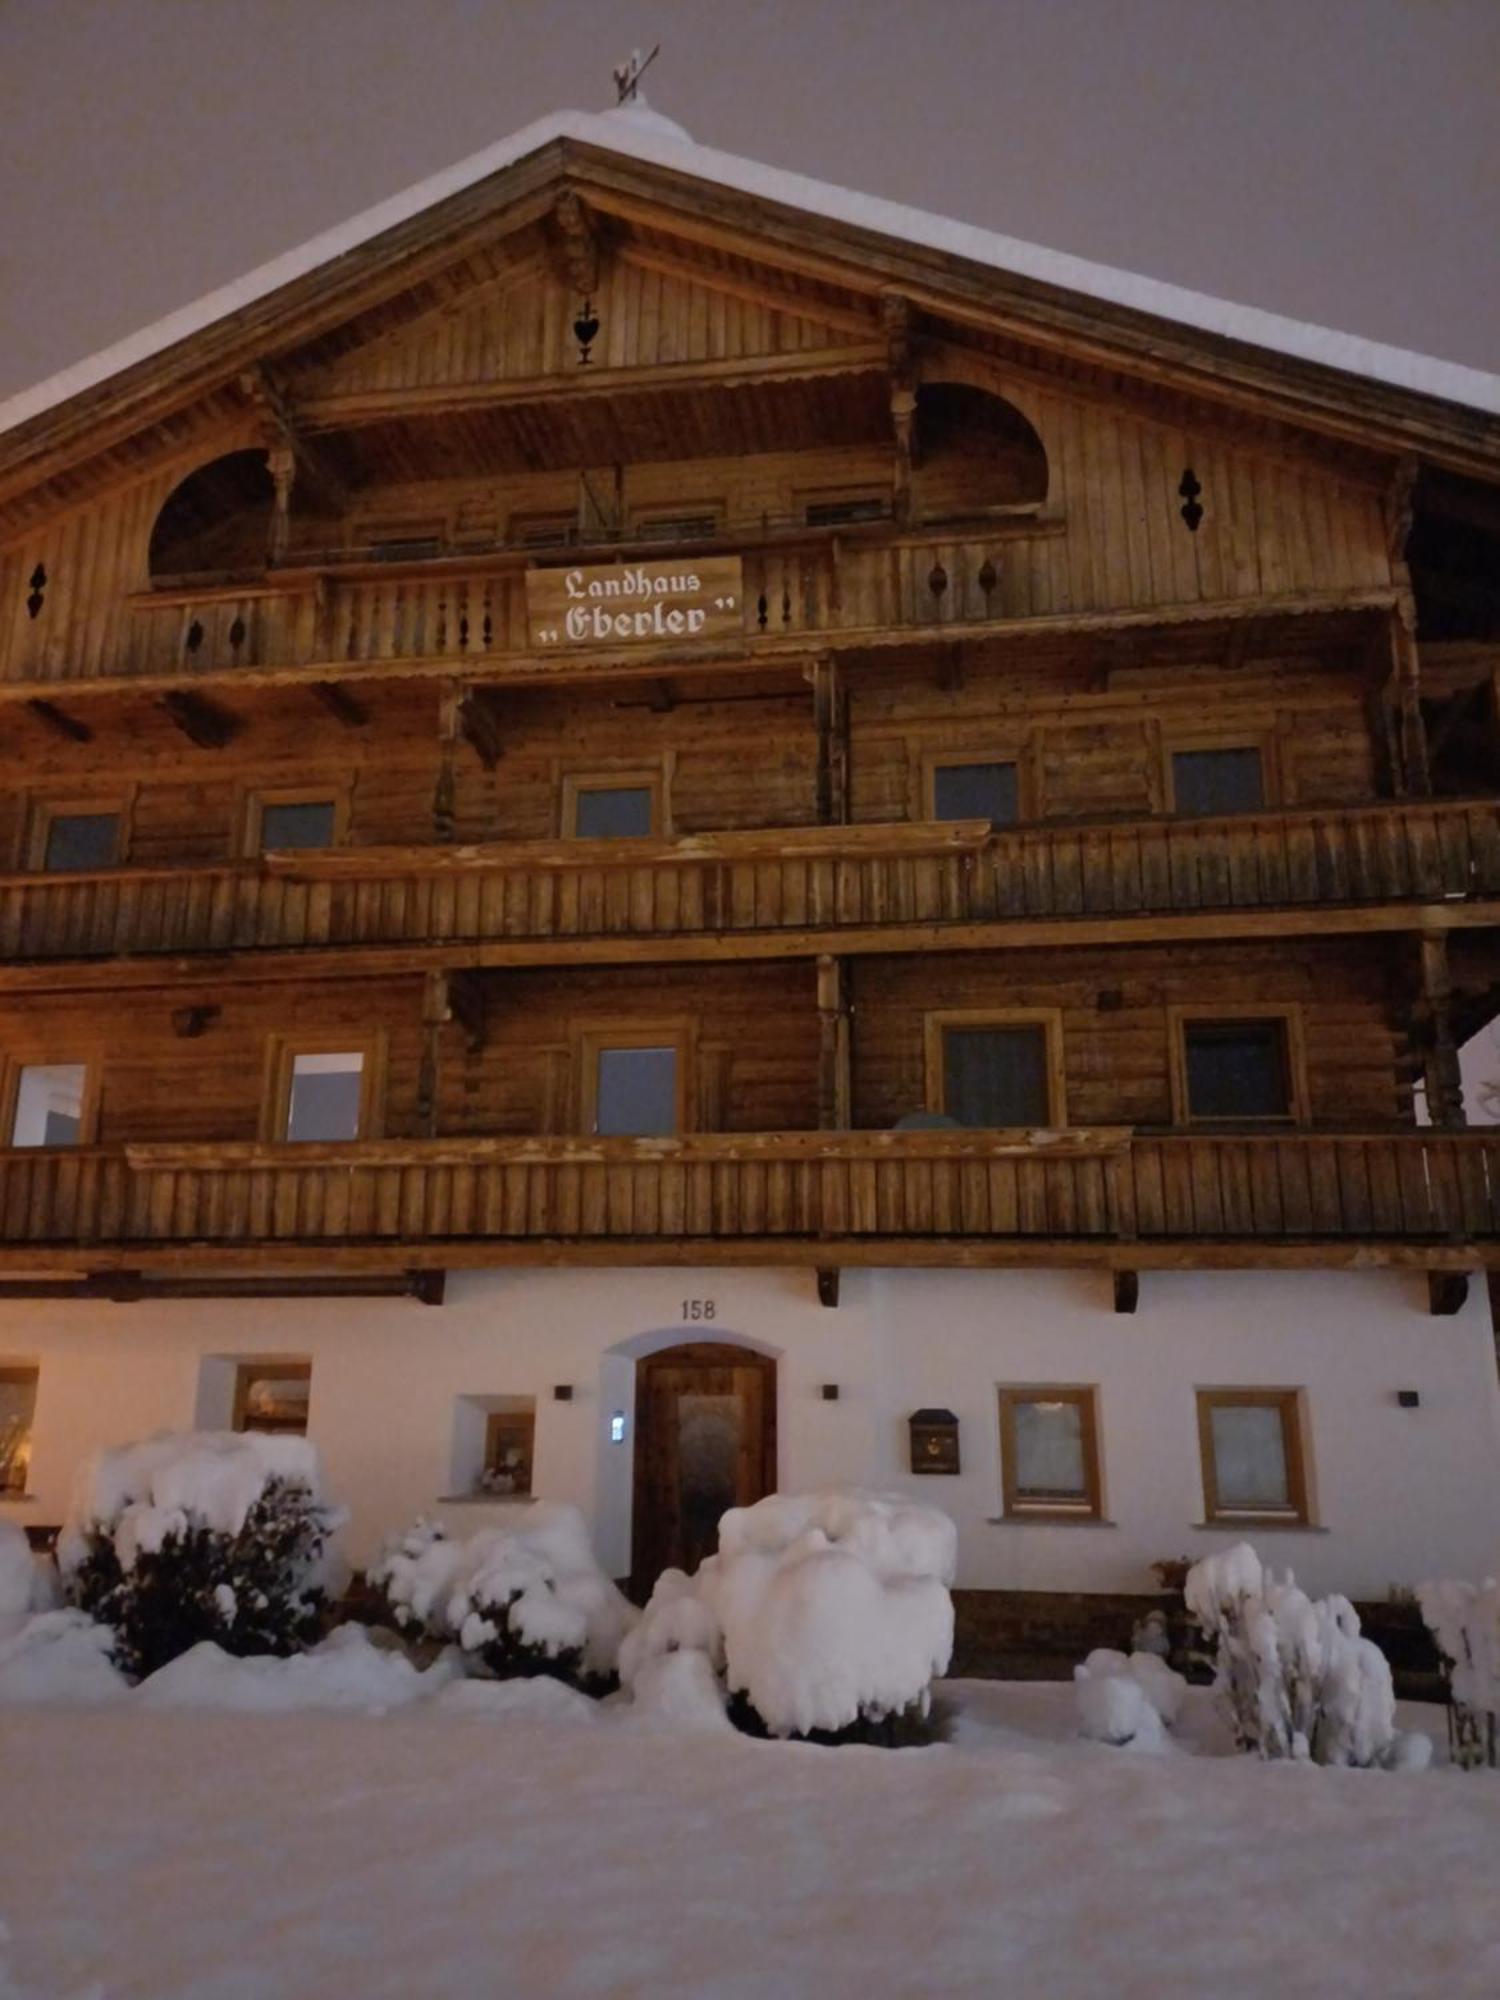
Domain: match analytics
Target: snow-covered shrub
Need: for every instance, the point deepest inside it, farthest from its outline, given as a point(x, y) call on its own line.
point(1464, 1620)
point(1128, 1699)
point(199, 1535)
point(523, 1599)
point(1294, 1673)
point(829, 1613)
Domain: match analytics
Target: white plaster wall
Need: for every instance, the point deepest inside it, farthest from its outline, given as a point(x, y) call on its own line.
point(1401, 1493)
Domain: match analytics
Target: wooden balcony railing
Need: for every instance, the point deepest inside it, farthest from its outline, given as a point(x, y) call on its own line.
point(862, 1197)
point(817, 879)
point(824, 588)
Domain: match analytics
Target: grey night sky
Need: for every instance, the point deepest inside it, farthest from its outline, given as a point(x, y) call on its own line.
point(1337, 160)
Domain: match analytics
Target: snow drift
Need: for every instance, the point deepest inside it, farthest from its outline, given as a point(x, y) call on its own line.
point(199, 1535)
point(823, 1611)
point(1128, 1699)
point(523, 1599)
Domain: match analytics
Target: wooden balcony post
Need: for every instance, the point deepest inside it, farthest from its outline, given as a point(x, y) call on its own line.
point(1406, 676)
point(1440, 1065)
point(831, 719)
point(834, 1079)
point(282, 461)
point(444, 800)
point(436, 1011)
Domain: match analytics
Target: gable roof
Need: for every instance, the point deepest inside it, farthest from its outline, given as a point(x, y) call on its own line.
point(638, 133)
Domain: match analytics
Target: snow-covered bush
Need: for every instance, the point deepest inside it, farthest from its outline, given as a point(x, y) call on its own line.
point(1464, 1620)
point(1128, 1699)
point(199, 1535)
point(522, 1599)
point(828, 1614)
point(1294, 1673)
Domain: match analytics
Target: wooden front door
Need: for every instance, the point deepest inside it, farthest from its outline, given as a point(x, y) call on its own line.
point(705, 1441)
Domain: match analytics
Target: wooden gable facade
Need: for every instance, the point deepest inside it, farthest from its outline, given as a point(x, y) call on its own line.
point(1117, 697)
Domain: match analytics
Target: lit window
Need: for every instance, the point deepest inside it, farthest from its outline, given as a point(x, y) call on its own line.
point(81, 840)
point(1237, 1069)
point(509, 1443)
point(17, 1413)
point(1049, 1452)
point(49, 1104)
point(326, 1096)
point(611, 812)
point(996, 1076)
point(635, 1091)
point(1253, 1461)
point(1218, 781)
point(297, 823)
point(273, 1396)
point(975, 791)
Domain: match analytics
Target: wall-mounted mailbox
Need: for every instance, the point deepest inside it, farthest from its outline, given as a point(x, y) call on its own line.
point(934, 1441)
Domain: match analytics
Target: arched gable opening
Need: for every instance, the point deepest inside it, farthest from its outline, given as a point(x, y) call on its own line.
point(217, 521)
point(973, 435)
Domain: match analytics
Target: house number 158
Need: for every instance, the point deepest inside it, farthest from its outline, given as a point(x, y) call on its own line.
point(698, 1309)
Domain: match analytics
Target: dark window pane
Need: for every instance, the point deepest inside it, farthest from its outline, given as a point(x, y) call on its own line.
point(995, 1076)
point(309, 824)
point(83, 840)
point(325, 1097)
point(637, 1091)
point(1217, 781)
point(606, 814)
point(975, 791)
point(836, 513)
point(1237, 1069)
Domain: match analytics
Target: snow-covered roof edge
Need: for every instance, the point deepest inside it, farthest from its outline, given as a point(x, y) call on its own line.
point(643, 135)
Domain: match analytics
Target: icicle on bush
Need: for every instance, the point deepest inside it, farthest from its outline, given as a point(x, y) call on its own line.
point(199, 1535)
point(1295, 1675)
point(518, 1601)
point(1464, 1620)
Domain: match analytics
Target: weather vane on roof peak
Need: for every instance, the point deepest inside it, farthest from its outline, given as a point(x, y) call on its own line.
point(627, 75)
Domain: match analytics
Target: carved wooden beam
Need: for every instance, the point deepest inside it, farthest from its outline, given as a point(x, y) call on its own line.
point(341, 705)
point(293, 454)
point(59, 721)
point(828, 1287)
point(1127, 1291)
point(1447, 1293)
point(201, 721)
point(577, 239)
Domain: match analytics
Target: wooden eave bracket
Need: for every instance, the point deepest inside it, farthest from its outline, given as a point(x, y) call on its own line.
point(828, 1286)
point(341, 704)
point(1447, 1293)
point(59, 721)
point(204, 722)
point(1127, 1287)
point(479, 725)
point(283, 431)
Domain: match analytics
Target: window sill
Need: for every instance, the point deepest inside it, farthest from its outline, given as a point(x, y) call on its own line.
point(1048, 1521)
point(17, 1499)
point(1245, 1524)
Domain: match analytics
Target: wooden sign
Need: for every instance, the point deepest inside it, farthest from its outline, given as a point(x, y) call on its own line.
point(635, 604)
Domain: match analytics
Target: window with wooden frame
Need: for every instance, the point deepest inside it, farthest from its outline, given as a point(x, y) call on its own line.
point(509, 1449)
point(272, 1396)
point(612, 805)
point(18, 1386)
point(1254, 1452)
point(50, 1103)
point(1238, 1066)
point(74, 835)
point(693, 521)
point(1049, 1454)
point(845, 508)
point(634, 1079)
point(295, 816)
point(1223, 772)
point(326, 1091)
point(554, 530)
point(978, 785)
point(997, 1069)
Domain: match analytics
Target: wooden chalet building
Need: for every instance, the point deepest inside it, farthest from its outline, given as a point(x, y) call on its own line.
point(667, 831)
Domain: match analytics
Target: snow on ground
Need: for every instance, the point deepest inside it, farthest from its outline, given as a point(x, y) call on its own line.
point(483, 1842)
